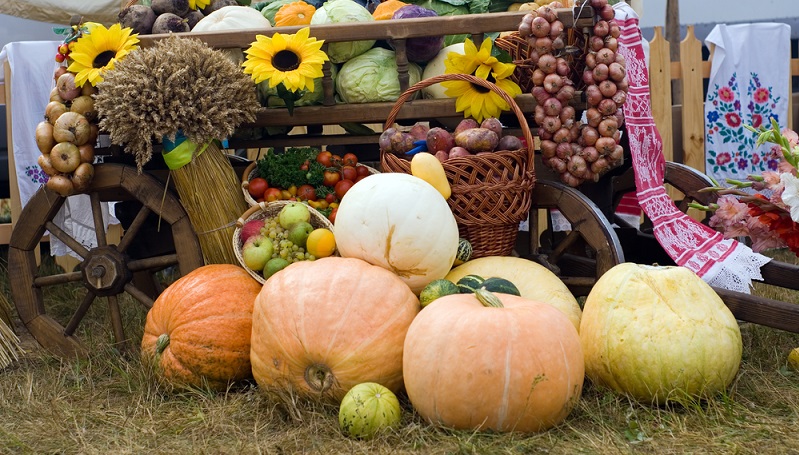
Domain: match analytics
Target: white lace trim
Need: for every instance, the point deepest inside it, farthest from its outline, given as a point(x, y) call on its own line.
point(737, 270)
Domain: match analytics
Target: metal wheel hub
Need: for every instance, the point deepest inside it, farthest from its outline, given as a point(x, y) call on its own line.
point(105, 271)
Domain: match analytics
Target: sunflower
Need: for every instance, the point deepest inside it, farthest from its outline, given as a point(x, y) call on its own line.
point(474, 100)
point(293, 60)
point(198, 4)
point(95, 52)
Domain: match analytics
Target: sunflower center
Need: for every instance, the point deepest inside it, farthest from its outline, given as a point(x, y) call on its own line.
point(286, 60)
point(102, 59)
point(480, 88)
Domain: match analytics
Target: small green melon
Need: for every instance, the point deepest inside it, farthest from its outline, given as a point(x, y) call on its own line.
point(436, 289)
point(470, 283)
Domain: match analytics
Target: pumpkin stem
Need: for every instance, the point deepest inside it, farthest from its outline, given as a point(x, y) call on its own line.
point(488, 299)
point(319, 377)
point(161, 343)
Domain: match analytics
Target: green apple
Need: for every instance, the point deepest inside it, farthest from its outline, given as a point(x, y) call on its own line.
point(298, 233)
point(274, 265)
point(293, 213)
point(257, 251)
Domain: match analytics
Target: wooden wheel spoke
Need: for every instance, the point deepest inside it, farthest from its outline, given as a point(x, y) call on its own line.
point(157, 262)
point(52, 280)
point(69, 330)
point(67, 239)
point(133, 229)
point(139, 295)
point(116, 319)
point(99, 223)
point(561, 247)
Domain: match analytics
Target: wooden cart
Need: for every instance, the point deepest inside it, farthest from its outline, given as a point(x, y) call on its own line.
point(132, 269)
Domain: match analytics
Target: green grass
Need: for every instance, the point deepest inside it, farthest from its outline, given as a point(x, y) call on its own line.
point(111, 404)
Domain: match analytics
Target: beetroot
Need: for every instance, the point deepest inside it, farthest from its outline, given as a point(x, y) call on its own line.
point(140, 18)
point(170, 23)
point(176, 7)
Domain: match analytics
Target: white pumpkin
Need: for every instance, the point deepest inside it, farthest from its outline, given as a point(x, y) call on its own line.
point(658, 334)
point(435, 67)
point(231, 18)
point(401, 223)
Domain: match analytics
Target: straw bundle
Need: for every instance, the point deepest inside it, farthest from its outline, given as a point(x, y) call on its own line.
point(209, 191)
point(179, 88)
point(10, 347)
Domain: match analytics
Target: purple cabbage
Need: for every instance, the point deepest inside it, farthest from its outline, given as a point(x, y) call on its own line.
point(421, 49)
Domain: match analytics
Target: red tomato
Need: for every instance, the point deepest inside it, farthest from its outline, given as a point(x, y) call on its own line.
point(257, 187)
point(306, 193)
point(349, 159)
point(362, 171)
point(336, 160)
point(330, 197)
point(342, 187)
point(325, 158)
point(349, 173)
point(332, 216)
point(331, 178)
point(272, 194)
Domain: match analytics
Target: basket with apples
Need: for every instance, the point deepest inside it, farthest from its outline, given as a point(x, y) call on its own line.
point(271, 235)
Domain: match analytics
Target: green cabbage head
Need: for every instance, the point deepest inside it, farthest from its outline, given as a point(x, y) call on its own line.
point(372, 77)
point(341, 11)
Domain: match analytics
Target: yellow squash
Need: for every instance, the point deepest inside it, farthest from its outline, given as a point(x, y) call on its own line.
point(428, 168)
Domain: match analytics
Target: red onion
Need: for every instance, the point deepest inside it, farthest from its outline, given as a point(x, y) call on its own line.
point(607, 13)
point(547, 63)
point(543, 45)
point(600, 72)
point(540, 27)
point(589, 135)
point(592, 95)
point(605, 145)
point(605, 56)
point(566, 113)
point(608, 127)
point(601, 29)
point(552, 106)
point(539, 74)
point(551, 124)
point(594, 116)
point(607, 107)
point(562, 136)
point(548, 149)
point(562, 67)
point(620, 97)
point(590, 154)
point(600, 166)
point(538, 114)
point(590, 60)
point(555, 29)
point(553, 83)
point(608, 88)
point(611, 43)
point(616, 72)
point(596, 43)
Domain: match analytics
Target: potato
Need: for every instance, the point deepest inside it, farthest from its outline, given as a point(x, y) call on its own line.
point(477, 140)
point(442, 155)
point(395, 141)
point(465, 124)
point(509, 142)
point(458, 151)
point(439, 139)
point(493, 124)
point(419, 131)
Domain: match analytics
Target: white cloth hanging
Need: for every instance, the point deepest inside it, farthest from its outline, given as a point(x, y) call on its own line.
point(32, 65)
point(749, 84)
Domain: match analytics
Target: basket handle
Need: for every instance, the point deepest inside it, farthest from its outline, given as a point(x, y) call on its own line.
point(243, 218)
point(528, 136)
point(245, 176)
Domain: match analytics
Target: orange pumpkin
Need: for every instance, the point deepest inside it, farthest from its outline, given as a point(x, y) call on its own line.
point(321, 327)
point(385, 10)
point(198, 331)
point(517, 367)
point(295, 13)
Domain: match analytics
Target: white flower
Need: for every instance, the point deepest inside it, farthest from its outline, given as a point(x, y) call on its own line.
point(790, 196)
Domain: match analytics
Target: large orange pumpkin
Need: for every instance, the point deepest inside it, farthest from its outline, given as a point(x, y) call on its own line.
point(321, 327)
point(518, 367)
point(198, 331)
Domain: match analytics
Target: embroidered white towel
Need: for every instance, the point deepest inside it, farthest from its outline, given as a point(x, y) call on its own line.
point(749, 84)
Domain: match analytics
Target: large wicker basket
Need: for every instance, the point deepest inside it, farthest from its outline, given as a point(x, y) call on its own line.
point(490, 192)
point(262, 210)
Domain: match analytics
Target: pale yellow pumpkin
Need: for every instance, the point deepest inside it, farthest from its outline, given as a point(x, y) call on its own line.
point(535, 282)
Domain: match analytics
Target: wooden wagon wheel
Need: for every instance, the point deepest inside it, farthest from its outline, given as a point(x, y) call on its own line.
point(579, 257)
point(106, 271)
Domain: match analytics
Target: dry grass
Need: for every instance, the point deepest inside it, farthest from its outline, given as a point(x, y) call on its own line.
point(110, 404)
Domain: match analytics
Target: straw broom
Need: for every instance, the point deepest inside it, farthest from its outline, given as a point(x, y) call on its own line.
point(181, 87)
point(213, 217)
point(10, 348)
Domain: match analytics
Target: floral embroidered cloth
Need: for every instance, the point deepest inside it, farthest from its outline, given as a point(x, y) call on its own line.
point(749, 84)
point(721, 262)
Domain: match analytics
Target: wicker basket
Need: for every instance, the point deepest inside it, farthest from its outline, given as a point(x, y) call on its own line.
point(250, 172)
point(263, 210)
point(490, 192)
point(519, 50)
